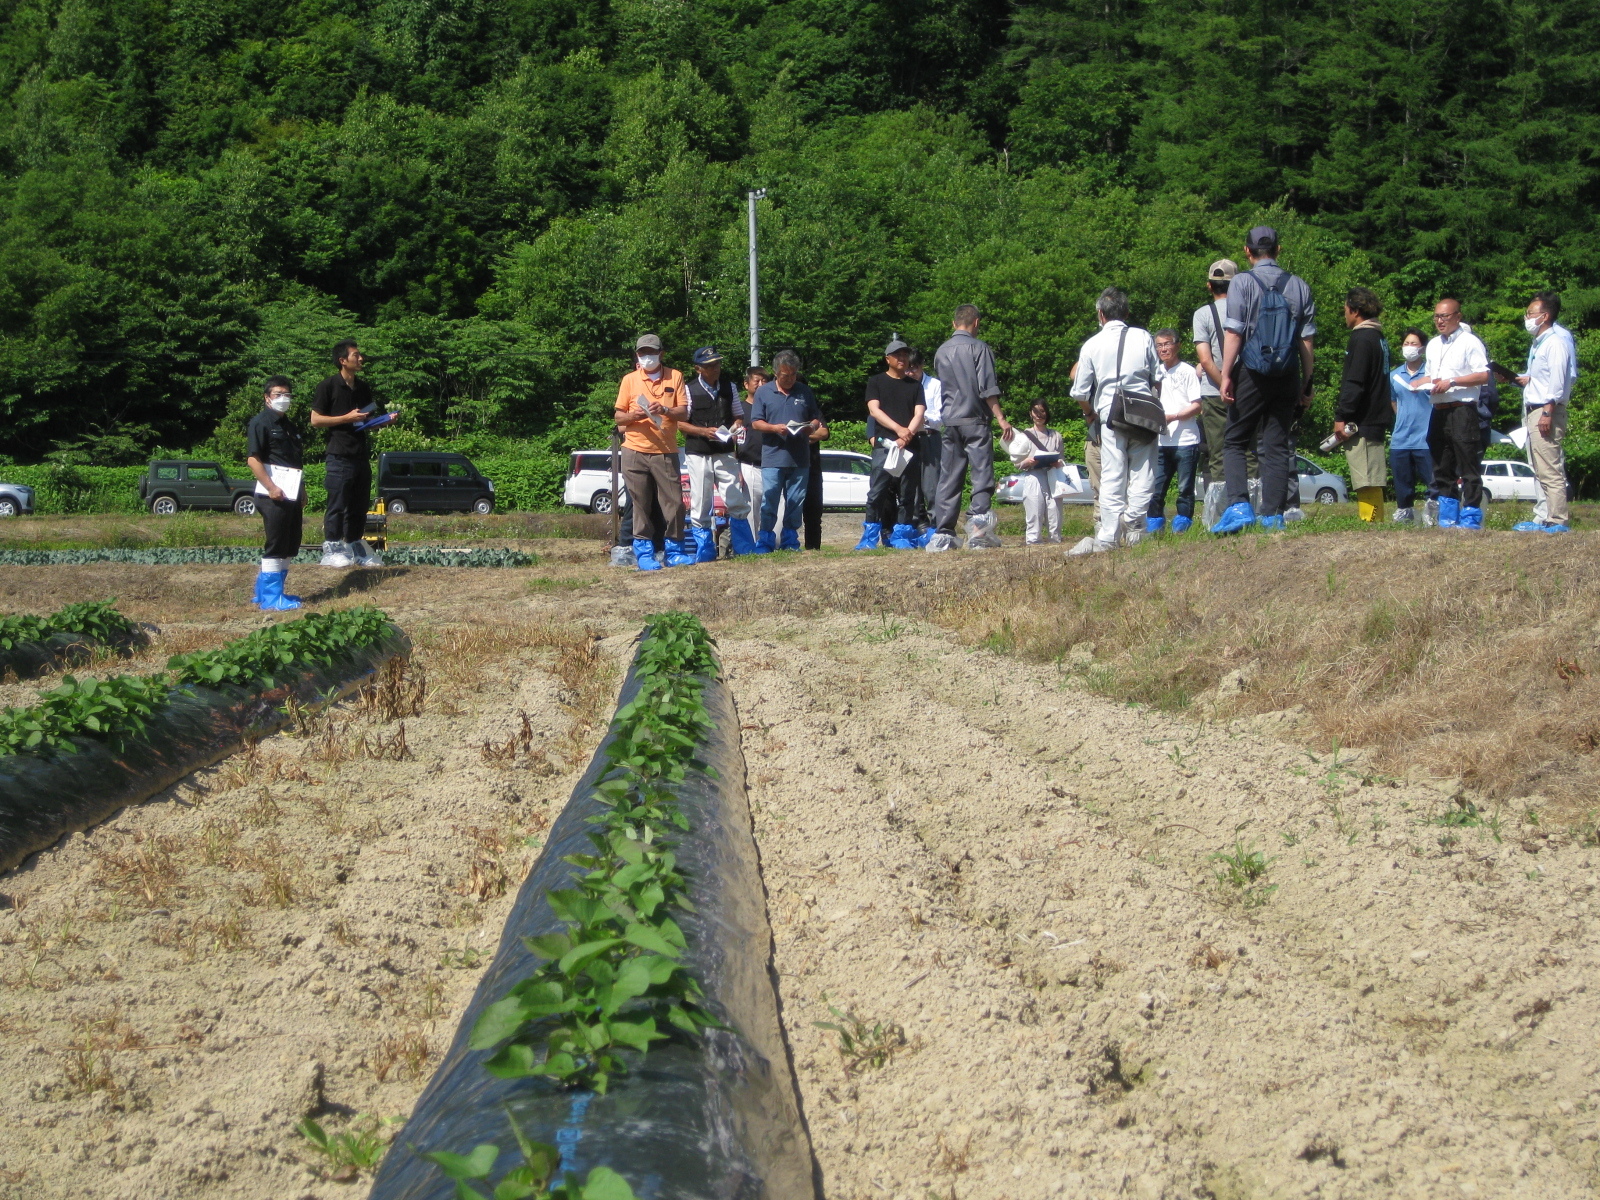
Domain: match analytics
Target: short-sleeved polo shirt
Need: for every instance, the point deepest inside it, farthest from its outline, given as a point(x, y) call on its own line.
point(776, 407)
point(667, 391)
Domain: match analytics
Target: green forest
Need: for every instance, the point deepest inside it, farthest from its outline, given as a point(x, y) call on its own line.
point(497, 196)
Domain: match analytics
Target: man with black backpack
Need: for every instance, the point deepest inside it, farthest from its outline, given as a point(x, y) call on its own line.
point(1267, 358)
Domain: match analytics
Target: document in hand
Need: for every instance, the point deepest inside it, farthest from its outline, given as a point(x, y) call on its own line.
point(644, 406)
point(287, 478)
point(795, 426)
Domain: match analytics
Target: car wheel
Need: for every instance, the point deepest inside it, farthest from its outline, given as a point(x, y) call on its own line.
point(396, 506)
point(8, 507)
point(600, 502)
point(164, 506)
point(1327, 496)
point(483, 506)
point(245, 506)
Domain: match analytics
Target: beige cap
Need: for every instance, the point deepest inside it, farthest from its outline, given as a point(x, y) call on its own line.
point(1223, 268)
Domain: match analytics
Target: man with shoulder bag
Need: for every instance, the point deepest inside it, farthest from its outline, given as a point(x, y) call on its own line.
point(1118, 381)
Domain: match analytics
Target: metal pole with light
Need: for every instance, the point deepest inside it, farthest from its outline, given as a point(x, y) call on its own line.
point(755, 302)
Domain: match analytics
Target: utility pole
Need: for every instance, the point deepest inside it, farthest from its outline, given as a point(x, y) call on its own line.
point(755, 301)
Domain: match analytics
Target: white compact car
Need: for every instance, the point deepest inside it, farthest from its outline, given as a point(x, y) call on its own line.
point(845, 476)
point(1507, 479)
point(1009, 489)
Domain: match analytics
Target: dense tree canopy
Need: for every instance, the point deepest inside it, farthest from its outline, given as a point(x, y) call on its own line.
point(497, 195)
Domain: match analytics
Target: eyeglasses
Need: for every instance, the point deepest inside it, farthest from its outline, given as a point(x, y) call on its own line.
point(1455, 316)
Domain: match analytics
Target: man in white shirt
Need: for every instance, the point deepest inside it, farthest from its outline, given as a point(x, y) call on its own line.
point(928, 446)
point(1546, 388)
point(1178, 447)
point(1459, 367)
point(1127, 463)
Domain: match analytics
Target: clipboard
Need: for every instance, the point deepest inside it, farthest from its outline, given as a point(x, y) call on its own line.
point(287, 478)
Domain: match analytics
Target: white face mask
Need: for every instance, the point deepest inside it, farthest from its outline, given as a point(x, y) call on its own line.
point(1531, 324)
point(280, 404)
point(649, 362)
point(1412, 351)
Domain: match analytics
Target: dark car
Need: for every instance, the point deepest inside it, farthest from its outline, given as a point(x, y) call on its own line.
point(174, 483)
point(436, 481)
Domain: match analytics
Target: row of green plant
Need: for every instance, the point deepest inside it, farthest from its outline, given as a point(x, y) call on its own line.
point(421, 556)
point(115, 710)
point(612, 980)
point(97, 619)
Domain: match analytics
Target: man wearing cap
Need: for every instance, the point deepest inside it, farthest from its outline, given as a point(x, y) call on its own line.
point(1267, 360)
point(1208, 342)
point(894, 403)
point(709, 457)
point(786, 415)
point(971, 395)
point(650, 403)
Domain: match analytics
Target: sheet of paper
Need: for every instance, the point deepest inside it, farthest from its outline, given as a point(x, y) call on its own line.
point(644, 406)
point(795, 426)
point(287, 478)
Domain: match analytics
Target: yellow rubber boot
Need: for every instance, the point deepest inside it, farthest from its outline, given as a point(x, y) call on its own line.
point(1369, 503)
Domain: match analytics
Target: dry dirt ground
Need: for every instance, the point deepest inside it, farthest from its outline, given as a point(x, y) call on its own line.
point(1005, 886)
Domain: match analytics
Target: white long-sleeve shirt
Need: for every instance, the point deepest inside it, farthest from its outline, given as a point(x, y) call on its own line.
point(1552, 369)
point(1097, 366)
point(1451, 357)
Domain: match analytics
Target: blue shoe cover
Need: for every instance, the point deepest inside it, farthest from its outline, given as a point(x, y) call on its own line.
point(1449, 512)
point(1556, 529)
point(705, 544)
point(1275, 521)
point(1471, 518)
point(903, 537)
point(1180, 524)
point(1235, 517)
point(261, 579)
point(272, 597)
point(740, 539)
point(1155, 524)
point(1528, 527)
point(767, 542)
point(644, 553)
point(789, 540)
point(679, 553)
point(870, 533)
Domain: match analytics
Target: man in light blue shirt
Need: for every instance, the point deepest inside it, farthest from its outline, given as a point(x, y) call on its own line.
point(1546, 388)
point(1409, 458)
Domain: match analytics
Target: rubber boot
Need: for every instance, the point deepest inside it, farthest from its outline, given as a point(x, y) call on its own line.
point(1157, 524)
point(645, 555)
point(1471, 518)
point(903, 537)
point(871, 531)
point(740, 540)
point(789, 539)
point(1449, 512)
point(766, 542)
point(1181, 523)
point(1234, 518)
point(1369, 503)
point(705, 544)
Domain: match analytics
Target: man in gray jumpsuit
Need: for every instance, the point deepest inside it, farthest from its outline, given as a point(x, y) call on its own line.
point(965, 367)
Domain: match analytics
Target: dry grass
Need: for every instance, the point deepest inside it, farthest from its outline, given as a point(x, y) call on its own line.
point(407, 1053)
point(1474, 657)
point(148, 870)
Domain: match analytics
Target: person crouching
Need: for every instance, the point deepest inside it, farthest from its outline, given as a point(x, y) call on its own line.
point(276, 457)
point(709, 457)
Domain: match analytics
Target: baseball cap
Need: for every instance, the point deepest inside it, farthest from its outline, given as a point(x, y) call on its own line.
point(648, 342)
point(1222, 269)
point(895, 346)
point(706, 355)
point(1262, 237)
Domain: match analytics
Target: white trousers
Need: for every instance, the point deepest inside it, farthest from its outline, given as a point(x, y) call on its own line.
point(1039, 507)
point(753, 488)
point(1127, 482)
point(712, 475)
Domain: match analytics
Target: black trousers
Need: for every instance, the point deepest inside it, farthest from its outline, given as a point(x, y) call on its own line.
point(284, 520)
point(812, 512)
point(1456, 457)
point(891, 500)
point(929, 449)
point(349, 496)
point(1262, 413)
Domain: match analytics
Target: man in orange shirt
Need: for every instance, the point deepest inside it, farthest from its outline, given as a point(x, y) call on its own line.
point(650, 403)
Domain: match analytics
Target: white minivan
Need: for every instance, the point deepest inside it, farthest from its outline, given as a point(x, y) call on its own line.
point(845, 476)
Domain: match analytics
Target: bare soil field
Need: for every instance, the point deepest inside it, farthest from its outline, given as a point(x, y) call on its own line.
point(1069, 849)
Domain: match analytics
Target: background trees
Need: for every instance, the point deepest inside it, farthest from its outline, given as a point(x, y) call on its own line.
point(497, 195)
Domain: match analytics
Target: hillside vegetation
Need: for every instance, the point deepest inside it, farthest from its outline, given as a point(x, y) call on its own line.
point(497, 195)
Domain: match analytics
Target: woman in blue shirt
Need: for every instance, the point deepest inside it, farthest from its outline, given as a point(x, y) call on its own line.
point(1409, 459)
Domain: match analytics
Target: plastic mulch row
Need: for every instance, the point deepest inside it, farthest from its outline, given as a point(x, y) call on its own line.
point(28, 659)
point(43, 797)
point(712, 1119)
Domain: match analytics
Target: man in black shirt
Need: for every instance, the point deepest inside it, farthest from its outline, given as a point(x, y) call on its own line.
point(895, 405)
point(341, 401)
point(709, 459)
point(276, 457)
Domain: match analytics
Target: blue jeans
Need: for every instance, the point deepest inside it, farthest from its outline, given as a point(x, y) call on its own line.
point(1180, 461)
point(1410, 468)
point(790, 484)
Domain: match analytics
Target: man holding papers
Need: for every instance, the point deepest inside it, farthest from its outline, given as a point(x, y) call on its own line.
point(276, 456)
point(343, 405)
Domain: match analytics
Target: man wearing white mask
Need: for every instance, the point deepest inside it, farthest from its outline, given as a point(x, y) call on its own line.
point(650, 403)
point(1119, 356)
point(1546, 388)
point(275, 454)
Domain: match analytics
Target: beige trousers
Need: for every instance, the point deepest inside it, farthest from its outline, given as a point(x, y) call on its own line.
point(1091, 460)
point(1548, 460)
